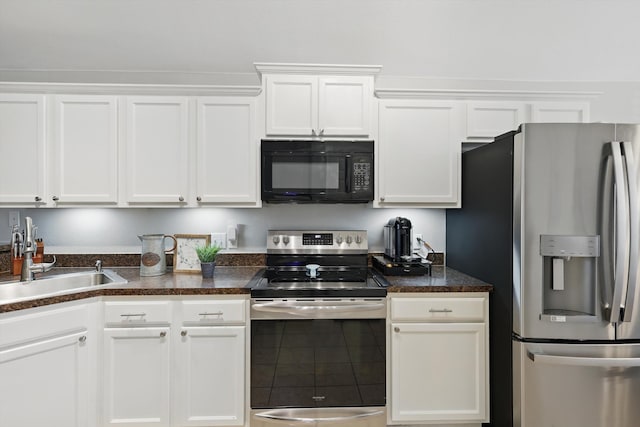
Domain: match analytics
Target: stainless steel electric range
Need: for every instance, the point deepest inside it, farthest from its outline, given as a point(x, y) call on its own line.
point(318, 332)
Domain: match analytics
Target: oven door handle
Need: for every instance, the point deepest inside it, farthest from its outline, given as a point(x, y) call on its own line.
point(289, 416)
point(304, 308)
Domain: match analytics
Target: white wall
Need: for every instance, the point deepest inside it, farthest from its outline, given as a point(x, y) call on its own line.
point(542, 40)
point(115, 230)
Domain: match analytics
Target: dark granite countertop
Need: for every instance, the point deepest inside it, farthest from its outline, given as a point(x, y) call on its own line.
point(233, 280)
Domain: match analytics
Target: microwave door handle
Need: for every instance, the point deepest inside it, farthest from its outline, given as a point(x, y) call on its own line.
point(348, 174)
point(634, 229)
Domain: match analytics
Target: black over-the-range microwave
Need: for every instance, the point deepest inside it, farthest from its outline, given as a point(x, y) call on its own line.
point(314, 171)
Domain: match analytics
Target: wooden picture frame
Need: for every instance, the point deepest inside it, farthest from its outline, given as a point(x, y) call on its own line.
point(186, 259)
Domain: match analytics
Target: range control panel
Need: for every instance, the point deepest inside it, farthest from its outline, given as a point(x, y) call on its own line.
point(317, 242)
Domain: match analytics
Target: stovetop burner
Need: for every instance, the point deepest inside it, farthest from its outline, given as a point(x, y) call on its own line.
point(340, 258)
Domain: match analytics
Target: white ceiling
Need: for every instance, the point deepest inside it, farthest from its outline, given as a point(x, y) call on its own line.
point(561, 40)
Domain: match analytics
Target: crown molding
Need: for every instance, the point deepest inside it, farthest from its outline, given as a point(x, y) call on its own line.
point(333, 69)
point(462, 94)
point(128, 89)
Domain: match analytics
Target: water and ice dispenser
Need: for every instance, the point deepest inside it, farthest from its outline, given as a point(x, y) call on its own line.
point(570, 276)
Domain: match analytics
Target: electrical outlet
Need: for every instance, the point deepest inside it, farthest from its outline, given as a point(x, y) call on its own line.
point(219, 239)
point(14, 218)
point(416, 241)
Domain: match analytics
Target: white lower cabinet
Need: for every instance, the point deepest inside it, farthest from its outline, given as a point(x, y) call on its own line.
point(210, 376)
point(136, 376)
point(174, 361)
point(46, 372)
point(438, 360)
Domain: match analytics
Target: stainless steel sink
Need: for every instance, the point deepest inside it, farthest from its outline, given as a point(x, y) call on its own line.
point(60, 284)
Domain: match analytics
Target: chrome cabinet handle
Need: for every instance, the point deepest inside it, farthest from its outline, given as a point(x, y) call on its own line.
point(313, 132)
point(442, 310)
point(217, 313)
point(55, 198)
point(163, 334)
point(82, 338)
point(133, 315)
point(38, 199)
point(183, 333)
point(321, 132)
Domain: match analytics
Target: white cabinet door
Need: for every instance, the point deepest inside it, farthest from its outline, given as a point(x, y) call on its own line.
point(291, 104)
point(22, 149)
point(345, 105)
point(84, 159)
point(136, 367)
point(210, 376)
point(227, 151)
point(486, 120)
point(157, 150)
point(302, 105)
point(46, 382)
point(419, 152)
point(438, 372)
point(560, 112)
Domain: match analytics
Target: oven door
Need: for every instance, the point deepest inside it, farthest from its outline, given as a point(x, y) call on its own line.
point(318, 361)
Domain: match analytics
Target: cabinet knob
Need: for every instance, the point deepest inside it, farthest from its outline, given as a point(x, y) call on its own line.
point(180, 199)
point(382, 199)
point(163, 334)
point(55, 198)
point(321, 132)
point(183, 333)
point(313, 132)
point(82, 338)
point(396, 329)
point(199, 198)
point(38, 199)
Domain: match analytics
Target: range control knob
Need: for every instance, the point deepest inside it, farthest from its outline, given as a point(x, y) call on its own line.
point(349, 240)
point(339, 239)
point(358, 239)
point(285, 239)
point(276, 239)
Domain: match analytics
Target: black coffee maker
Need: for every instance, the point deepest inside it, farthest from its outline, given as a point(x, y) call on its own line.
point(398, 257)
point(397, 239)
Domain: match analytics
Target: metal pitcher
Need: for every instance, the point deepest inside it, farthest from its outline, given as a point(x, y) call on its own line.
point(153, 261)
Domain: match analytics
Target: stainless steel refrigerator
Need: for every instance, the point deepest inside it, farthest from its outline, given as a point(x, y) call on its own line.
point(550, 217)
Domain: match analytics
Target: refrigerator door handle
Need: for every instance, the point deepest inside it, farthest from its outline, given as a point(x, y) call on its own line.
point(634, 229)
point(621, 233)
point(602, 362)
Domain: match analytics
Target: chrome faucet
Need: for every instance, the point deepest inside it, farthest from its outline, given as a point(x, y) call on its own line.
point(29, 247)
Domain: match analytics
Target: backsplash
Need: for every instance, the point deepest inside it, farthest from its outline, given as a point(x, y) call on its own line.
point(133, 260)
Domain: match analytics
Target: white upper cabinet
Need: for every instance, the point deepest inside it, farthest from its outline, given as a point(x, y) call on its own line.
point(490, 119)
point(84, 155)
point(227, 151)
point(419, 152)
point(318, 100)
point(157, 150)
point(560, 112)
point(22, 149)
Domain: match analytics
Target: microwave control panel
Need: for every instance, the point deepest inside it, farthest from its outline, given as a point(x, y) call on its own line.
point(361, 176)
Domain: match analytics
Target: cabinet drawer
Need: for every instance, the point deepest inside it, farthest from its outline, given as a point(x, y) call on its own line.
point(438, 309)
point(127, 313)
point(213, 312)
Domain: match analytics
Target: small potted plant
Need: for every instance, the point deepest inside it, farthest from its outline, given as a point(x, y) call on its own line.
point(207, 256)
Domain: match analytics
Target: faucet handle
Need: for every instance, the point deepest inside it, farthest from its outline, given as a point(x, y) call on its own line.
point(99, 265)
